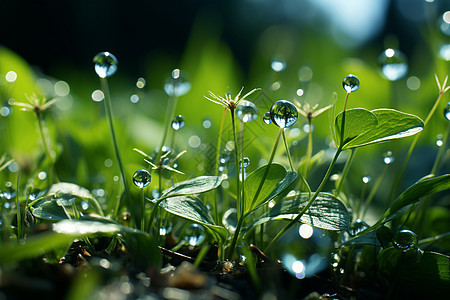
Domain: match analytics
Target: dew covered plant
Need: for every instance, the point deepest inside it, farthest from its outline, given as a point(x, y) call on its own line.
point(297, 209)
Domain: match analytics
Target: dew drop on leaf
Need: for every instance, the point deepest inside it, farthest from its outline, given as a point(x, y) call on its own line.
point(283, 113)
point(266, 118)
point(105, 64)
point(350, 83)
point(194, 235)
point(447, 111)
point(178, 122)
point(246, 111)
point(142, 178)
point(405, 240)
point(177, 84)
point(245, 162)
point(230, 220)
point(357, 227)
point(394, 65)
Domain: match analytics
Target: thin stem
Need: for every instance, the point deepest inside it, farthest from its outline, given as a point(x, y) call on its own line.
point(236, 152)
point(413, 144)
point(308, 205)
point(142, 209)
point(266, 172)
point(286, 146)
point(345, 171)
point(308, 149)
point(20, 222)
point(217, 162)
point(167, 123)
point(242, 167)
point(441, 150)
point(52, 171)
point(109, 115)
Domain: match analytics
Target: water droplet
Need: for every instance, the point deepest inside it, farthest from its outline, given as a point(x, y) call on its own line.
point(244, 162)
point(11, 76)
point(42, 175)
point(393, 64)
point(134, 98)
point(206, 123)
point(194, 235)
point(194, 141)
point(405, 240)
point(5, 111)
point(105, 64)
point(246, 111)
point(178, 122)
point(283, 113)
point(177, 84)
point(300, 92)
point(62, 88)
point(444, 23)
point(140, 83)
point(266, 118)
point(366, 179)
point(142, 178)
point(388, 157)
point(164, 230)
point(278, 64)
point(108, 163)
point(84, 205)
point(350, 83)
point(447, 111)
point(440, 140)
point(304, 250)
point(275, 86)
point(230, 220)
point(357, 227)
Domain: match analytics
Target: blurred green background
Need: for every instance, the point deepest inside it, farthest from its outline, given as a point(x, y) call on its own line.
point(294, 50)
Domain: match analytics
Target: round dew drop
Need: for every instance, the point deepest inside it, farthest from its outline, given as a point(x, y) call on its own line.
point(350, 83)
point(194, 235)
point(105, 64)
point(266, 118)
point(244, 163)
point(142, 178)
point(246, 111)
point(393, 64)
point(178, 122)
point(405, 240)
point(283, 113)
point(447, 111)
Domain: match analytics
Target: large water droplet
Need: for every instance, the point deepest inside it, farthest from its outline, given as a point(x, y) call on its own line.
point(246, 111)
point(266, 118)
point(142, 178)
point(229, 219)
point(350, 83)
point(304, 250)
point(283, 113)
point(178, 122)
point(194, 235)
point(105, 64)
point(278, 64)
point(388, 157)
point(357, 227)
point(444, 52)
point(177, 84)
point(447, 111)
point(405, 240)
point(444, 23)
point(393, 64)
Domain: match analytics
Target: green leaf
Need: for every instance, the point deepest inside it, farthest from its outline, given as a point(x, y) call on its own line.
point(392, 124)
point(193, 209)
point(277, 181)
point(357, 122)
point(137, 242)
point(427, 186)
point(326, 212)
point(193, 186)
point(49, 209)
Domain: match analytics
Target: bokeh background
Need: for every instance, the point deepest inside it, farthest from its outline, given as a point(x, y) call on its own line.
point(291, 49)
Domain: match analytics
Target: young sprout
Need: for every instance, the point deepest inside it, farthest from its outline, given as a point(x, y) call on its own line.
point(228, 102)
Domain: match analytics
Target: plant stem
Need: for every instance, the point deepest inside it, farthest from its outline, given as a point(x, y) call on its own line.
point(217, 162)
point(142, 209)
point(286, 146)
point(308, 205)
point(167, 123)
point(266, 172)
point(345, 171)
point(441, 150)
point(242, 167)
point(20, 222)
point(308, 150)
point(236, 152)
point(413, 144)
point(52, 171)
point(109, 115)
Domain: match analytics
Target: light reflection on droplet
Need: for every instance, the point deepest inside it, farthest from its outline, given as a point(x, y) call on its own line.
point(300, 92)
point(11, 76)
point(134, 98)
point(366, 179)
point(42, 175)
point(413, 83)
point(62, 88)
point(444, 23)
point(97, 95)
point(278, 64)
point(444, 52)
point(393, 63)
point(439, 140)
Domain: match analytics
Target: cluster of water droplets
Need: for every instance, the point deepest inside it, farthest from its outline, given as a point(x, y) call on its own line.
point(283, 113)
point(142, 178)
point(105, 64)
point(304, 250)
point(393, 63)
point(177, 83)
